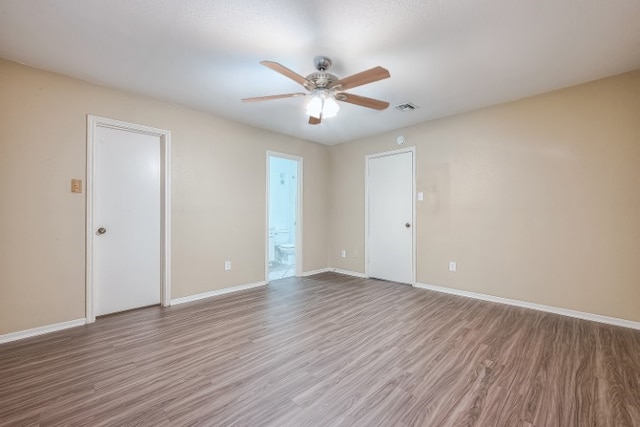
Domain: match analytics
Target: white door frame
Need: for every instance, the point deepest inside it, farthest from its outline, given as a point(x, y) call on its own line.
point(299, 212)
point(165, 206)
point(413, 205)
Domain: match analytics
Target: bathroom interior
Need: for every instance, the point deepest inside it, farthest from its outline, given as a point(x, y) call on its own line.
point(283, 201)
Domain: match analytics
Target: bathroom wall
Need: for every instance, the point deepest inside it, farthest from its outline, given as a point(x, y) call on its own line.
point(283, 182)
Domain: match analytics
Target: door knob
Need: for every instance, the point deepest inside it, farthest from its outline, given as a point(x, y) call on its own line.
point(102, 230)
point(407, 225)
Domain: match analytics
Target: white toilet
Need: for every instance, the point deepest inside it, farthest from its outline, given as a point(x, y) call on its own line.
point(287, 250)
point(277, 237)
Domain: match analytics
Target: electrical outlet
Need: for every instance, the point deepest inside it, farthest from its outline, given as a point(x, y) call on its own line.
point(453, 266)
point(343, 254)
point(227, 265)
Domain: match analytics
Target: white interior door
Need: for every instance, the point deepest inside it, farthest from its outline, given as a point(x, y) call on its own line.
point(126, 220)
point(390, 222)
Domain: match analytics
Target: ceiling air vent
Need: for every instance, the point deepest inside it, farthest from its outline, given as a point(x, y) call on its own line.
point(407, 106)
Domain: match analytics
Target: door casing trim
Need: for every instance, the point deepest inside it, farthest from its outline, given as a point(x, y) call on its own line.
point(94, 122)
point(411, 150)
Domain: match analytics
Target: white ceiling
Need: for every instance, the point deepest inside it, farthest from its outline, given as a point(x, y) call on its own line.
point(446, 56)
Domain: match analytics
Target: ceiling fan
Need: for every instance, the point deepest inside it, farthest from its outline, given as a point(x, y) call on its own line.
point(326, 88)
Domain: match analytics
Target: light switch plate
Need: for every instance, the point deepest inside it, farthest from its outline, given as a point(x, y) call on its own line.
point(76, 186)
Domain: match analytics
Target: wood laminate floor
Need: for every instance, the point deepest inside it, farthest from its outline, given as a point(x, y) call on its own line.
point(322, 351)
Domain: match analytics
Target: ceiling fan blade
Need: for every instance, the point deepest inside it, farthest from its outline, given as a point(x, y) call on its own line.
point(362, 101)
point(267, 98)
point(314, 120)
point(364, 77)
point(279, 68)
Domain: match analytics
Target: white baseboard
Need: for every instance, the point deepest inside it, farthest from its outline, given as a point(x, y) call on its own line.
point(318, 271)
point(540, 307)
point(349, 273)
point(217, 292)
point(14, 336)
point(334, 270)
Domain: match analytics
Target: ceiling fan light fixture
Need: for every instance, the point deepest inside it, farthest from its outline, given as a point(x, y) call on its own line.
point(322, 104)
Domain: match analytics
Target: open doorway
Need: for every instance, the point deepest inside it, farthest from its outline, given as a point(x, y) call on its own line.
point(284, 191)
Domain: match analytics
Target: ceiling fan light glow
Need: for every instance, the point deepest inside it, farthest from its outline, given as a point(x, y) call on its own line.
point(314, 107)
point(330, 108)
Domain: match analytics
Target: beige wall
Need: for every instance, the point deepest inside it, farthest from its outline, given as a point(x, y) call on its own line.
point(537, 200)
point(218, 189)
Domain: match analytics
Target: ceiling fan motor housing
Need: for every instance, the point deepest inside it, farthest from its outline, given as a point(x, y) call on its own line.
point(321, 80)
